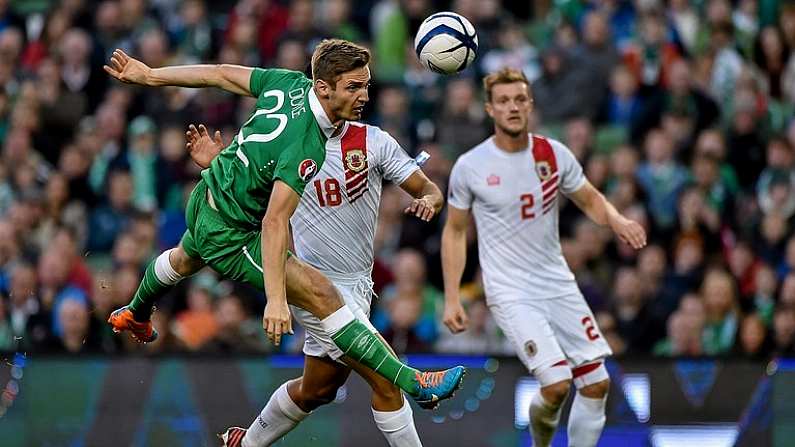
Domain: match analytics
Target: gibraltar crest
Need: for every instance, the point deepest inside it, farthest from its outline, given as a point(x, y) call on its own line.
point(543, 170)
point(355, 160)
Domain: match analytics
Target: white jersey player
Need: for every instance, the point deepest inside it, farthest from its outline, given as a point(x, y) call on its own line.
point(334, 230)
point(510, 183)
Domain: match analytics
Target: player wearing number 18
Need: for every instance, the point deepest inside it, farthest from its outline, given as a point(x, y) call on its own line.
point(511, 183)
point(238, 214)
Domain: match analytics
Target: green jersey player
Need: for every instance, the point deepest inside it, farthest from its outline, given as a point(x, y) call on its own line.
point(238, 214)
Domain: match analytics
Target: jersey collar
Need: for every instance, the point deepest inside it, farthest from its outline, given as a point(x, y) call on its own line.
point(320, 115)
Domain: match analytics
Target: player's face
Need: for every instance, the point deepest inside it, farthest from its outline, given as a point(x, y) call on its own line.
point(510, 107)
point(348, 98)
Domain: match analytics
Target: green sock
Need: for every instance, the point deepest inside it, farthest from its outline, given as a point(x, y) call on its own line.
point(360, 344)
point(150, 289)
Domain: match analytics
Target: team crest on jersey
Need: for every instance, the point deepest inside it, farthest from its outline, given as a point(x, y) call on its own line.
point(307, 169)
point(543, 170)
point(355, 160)
point(530, 348)
point(493, 180)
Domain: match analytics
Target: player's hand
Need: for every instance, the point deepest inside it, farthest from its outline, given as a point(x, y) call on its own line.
point(201, 147)
point(421, 208)
point(455, 317)
point(630, 232)
point(277, 321)
point(127, 69)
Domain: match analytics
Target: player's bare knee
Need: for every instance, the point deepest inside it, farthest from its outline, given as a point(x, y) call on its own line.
point(182, 263)
point(325, 295)
point(318, 396)
point(596, 390)
point(556, 393)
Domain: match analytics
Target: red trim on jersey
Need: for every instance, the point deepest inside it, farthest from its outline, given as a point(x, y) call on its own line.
point(546, 167)
point(552, 181)
point(561, 363)
point(549, 193)
point(542, 151)
point(355, 164)
point(584, 369)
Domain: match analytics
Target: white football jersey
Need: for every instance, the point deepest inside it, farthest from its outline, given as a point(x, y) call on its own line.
point(513, 197)
point(334, 225)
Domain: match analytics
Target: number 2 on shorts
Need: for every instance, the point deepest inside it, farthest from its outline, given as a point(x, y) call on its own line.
point(590, 329)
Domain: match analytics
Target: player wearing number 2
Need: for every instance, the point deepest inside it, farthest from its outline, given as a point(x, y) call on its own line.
point(510, 182)
point(238, 215)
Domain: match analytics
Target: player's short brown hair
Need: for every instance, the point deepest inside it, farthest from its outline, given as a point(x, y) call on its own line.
point(333, 57)
point(504, 76)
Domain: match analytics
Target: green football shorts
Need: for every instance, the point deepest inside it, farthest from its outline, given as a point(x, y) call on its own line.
point(233, 252)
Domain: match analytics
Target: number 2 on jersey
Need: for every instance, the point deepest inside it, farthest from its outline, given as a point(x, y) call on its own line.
point(263, 137)
point(328, 192)
point(527, 206)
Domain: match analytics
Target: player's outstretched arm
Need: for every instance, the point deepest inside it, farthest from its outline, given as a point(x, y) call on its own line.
point(428, 198)
point(275, 234)
point(454, 258)
point(232, 78)
point(201, 146)
point(594, 204)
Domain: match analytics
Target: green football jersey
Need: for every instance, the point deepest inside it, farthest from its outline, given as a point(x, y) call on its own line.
point(282, 140)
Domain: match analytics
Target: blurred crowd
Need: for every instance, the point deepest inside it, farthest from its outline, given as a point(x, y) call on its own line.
point(680, 111)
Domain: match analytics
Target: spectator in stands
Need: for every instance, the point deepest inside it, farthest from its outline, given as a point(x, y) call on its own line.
point(661, 178)
point(555, 92)
point(745, 141)
point(410, 318)
point(754, 339)
point(632, 312)
point(75, 338)
point(650, 58)
point(624, 103)
point(197, 325)
point(596, 56)
point(777, 181)
point(110, 219)
point(684, 337)
point(722, 314)
point(462, 119)
point(237, 331)
point(784, 330)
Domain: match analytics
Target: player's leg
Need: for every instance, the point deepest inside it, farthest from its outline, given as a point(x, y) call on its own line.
point(162, 274)
point(584, 345)
point(391, 412)
point(527, 328)
point(294, 400)
point(169, 268)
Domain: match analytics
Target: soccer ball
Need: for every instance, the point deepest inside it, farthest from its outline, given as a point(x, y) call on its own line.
point(446, 43)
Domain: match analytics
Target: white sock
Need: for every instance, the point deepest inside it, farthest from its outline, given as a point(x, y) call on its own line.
point(544, 419)
point(398, 426)
point(164, 272)
point(279, 416)
point(586, 421)
point(338, 320)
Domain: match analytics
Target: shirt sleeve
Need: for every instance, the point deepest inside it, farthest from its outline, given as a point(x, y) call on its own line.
point(297, 167)
point(569, 169)
point(262, 78)
point(395, 163)
point(459, 193)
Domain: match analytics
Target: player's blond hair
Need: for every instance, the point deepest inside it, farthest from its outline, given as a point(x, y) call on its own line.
point(333, 57)
point(504, 76)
